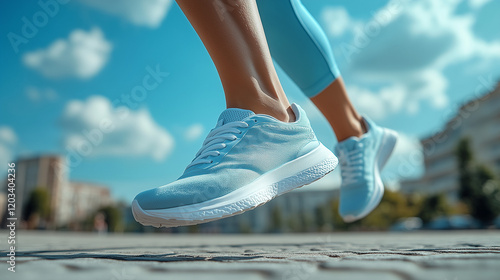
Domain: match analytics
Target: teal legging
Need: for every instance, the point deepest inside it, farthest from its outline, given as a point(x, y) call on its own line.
point(298, 44)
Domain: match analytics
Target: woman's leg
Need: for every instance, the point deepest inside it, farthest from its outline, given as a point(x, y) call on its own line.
point(335, 105)
point(247, 159)
point(301, 48)
point(232, 32)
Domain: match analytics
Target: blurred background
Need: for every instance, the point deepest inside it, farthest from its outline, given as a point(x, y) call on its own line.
point(100, 101)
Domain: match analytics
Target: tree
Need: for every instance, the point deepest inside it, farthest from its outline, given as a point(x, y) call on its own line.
point(113, 217)
point(485, 205)
point(38, 205)
point(394, 205)
point(320, 218)
point(433, 206)
point(276, 220)
point(478, 188)
point(465, 168)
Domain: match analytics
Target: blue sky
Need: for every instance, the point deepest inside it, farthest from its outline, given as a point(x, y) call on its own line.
point(66, 68)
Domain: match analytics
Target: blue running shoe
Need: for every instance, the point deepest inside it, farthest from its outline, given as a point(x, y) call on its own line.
point(361, 160)
point(245, 161)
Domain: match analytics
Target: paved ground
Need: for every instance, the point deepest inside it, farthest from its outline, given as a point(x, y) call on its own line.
point(422, 255)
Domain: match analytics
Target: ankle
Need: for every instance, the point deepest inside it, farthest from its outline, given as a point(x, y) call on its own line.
point(263, 104)
point(358, 127)
point(279, 112)
point(352, 128)
point(275, 109)
point(282, 113)
point(278, 109)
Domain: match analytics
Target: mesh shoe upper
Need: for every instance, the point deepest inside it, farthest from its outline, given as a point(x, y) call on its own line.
point(262, 146)
point(358, 157)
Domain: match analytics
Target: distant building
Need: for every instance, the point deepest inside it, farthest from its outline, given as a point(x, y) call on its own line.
point(289, 209)
point(479, 121)
point(69, 201)
point(40, 172)
point(81, 199)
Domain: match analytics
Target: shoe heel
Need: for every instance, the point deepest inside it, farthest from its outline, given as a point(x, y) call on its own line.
point(387, 147)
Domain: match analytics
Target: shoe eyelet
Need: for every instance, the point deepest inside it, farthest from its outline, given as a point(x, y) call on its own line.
point(254, 120)
point(211, 161)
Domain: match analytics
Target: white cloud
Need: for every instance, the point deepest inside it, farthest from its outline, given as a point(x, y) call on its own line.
point(8, 140)
point(194, 132)
point(7, 135)
point(476, 4)
point(404, 50)
point(82, 55)
point(406, 94)
point(35, 94)
point(145, 12)
point(338, 21)
point(376, 105)
point(95, 128)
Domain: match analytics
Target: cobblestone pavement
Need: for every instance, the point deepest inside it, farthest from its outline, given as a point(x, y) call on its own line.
point(418, 255)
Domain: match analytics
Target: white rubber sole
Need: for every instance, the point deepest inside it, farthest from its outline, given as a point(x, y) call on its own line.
point(291, 175)
point(386, 147)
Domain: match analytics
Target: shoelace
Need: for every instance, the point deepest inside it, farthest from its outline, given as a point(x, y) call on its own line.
point(215, 141)
point(351, 164)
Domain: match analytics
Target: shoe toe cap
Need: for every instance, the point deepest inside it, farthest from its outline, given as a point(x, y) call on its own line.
point(179, 193)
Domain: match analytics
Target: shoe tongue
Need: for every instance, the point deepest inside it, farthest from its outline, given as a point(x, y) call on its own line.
point(234, 114)
point(348, 144)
